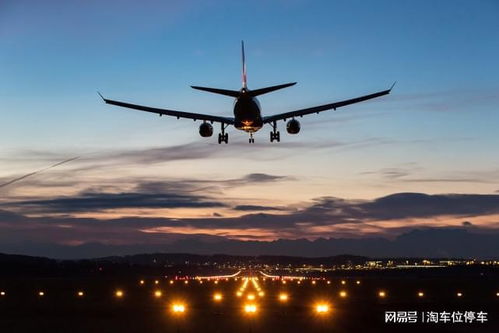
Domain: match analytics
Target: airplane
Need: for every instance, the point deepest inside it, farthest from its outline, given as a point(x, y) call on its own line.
point(247, 110)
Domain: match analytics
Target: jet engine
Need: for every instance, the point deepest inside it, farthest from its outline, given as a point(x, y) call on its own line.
point(293, 126)
point(205, 130)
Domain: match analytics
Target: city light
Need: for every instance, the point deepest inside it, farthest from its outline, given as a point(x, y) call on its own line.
point(497, 294)
point(343, 294)
point(322, 308)
point(283, 297)
point(382, 294)
point(80, 293)
point(283, 281)
point(158, 294)
point(216, 281)
point(217, 297)
point(250, 308)
point(178, 308)
point(119, 293)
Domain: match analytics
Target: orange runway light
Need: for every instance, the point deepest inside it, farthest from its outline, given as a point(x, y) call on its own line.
point(382, 294)
point(283, 297)
point(119, 293)
point(158, 294)
point(343, 294)
point(343, 282)
point(313, 282)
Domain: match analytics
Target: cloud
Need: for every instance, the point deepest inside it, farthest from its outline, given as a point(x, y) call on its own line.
point(255, 208)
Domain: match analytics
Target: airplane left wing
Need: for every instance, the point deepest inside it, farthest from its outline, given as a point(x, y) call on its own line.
point(173, 113)
point(320, 108)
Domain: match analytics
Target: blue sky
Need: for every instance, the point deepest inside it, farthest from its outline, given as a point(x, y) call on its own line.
point(435, 134)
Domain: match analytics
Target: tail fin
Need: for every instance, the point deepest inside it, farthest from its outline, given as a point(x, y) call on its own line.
point(245, 83)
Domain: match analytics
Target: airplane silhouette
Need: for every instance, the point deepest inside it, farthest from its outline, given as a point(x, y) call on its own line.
point(247, 110)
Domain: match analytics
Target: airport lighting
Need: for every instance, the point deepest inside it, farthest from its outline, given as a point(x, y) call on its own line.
point(343, 282)
point(283, 297)
point(250, 297)
point(41, 293)
point(250, 308)
point(343, 294)
point(459, 294)
point(420, 294)
point(382, 293)
point(141, 282)
point(119, 293)
point(171, 281)
point(261, 293)
point(313, 282)
point(156, 282)
point(158, 294)
point(80, 293)
point(358, 282)
point(3, 293)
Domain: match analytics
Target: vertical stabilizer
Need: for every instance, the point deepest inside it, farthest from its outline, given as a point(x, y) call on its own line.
point(245, 86)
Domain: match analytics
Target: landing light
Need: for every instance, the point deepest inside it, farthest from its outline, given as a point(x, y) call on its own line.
point(178, 308)
point(250, 308)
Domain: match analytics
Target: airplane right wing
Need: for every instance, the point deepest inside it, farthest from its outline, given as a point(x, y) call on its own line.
point(173, 113)
point(320, 108)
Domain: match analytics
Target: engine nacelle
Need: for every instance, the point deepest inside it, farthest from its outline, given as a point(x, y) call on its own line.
point(293, 126)
point(205, 130)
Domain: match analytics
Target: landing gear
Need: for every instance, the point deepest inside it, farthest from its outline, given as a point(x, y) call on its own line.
point(251, 139)
point(223, 137)
point(275, 135)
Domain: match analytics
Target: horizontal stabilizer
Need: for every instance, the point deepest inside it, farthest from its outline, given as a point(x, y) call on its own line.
point(232, 93)
point(262, 91)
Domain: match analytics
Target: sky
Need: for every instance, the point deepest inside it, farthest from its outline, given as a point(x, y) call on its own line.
point(72, 167)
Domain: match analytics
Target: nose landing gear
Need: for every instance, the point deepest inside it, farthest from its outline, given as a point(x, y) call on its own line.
point(275, 135)
point(251, 139)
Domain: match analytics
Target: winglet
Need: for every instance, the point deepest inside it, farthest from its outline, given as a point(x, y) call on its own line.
point(393, 85)
point(101, 96)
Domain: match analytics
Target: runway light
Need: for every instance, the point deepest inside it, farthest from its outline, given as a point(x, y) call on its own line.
point(217, 297)
point(80, 293)
point(2, 293)
point(382, 294)
point(251, 297)
point(459, 294)
point(239, 294)
point(178, 308)
point(119, 293)
point(216, 281)
point(497, 294)
point(156, 281)
point(313, 282)
point(171, 281)
point(261, 293)
point(142, 282)
point(186, 282)
point(158, 294)
point(41, 293)
point(328, 282)
point(322, 308)
point(283, 281)
point(299, 282)
point(343, 294)
point(343, 282)
point(420, 294)
point(283, 297)
point(250, 308)
point(358, 282)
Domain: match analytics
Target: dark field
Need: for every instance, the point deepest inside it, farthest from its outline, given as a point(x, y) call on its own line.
point(138, 310)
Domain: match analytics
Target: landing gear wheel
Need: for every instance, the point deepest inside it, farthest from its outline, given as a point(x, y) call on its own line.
point(226, 138)
point(223, 138)
point(275, 136)
point(219, 138)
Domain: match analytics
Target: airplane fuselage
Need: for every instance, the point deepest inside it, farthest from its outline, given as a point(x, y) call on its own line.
point(247, 113)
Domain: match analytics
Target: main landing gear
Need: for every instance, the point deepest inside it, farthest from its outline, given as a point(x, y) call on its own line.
point(275, 135)
point(223, 137)
point(251, 139)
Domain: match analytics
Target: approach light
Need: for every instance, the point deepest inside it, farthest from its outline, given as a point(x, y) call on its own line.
point(119, 293)
point(382, 294)
point(420, 294)
point(217, 297)
point(250, 308)
point(343, 294)
point(158, 294)
point(283, 297)
point(178, 308)
point(322, 308)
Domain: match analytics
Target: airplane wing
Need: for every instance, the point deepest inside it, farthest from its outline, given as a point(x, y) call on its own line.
point(320, 108)
point(173, 113)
